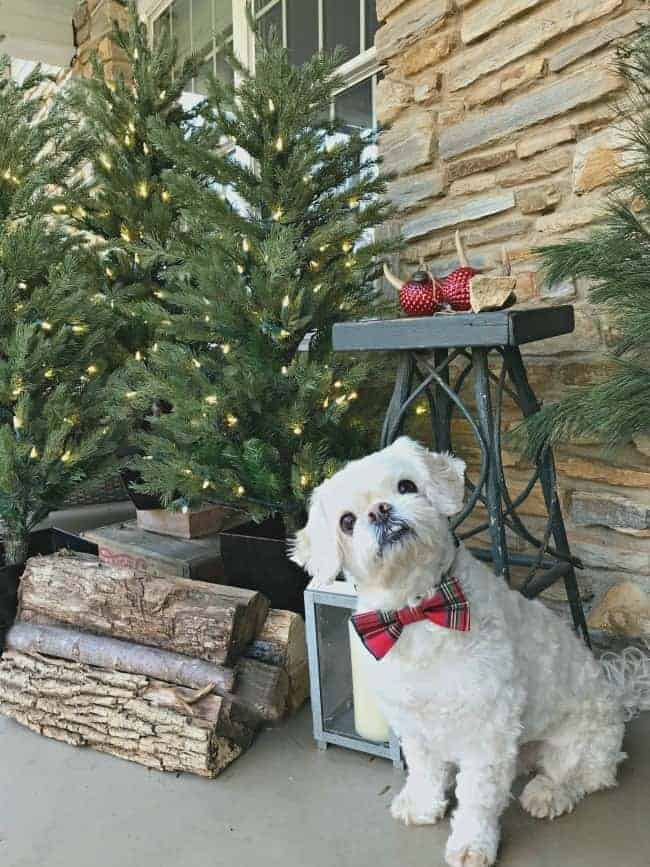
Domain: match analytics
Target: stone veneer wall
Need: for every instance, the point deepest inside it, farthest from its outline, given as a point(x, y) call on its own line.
point(501, 125)
point(92, 24)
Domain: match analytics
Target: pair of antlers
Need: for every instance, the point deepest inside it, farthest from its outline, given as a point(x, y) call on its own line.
point(394, 280)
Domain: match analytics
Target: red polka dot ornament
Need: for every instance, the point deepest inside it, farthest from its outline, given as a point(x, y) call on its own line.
point(418, 296)
point(454, 289)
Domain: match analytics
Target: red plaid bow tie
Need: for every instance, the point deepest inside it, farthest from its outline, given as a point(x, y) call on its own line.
point(448, 607)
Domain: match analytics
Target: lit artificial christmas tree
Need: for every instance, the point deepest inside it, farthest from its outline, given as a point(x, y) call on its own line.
point(54, 340)
point(118, 195)
point(278, 249)
point(614, 257)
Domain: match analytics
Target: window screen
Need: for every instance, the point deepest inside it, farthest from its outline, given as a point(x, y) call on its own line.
point(341, 25)
point(302, 29)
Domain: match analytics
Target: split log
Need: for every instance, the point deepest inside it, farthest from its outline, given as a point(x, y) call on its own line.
point(262, 689)
point(490, 292)
point(257, 691)
point(126, 715)
point(281, 642)
point(207, 621)
point(298, 688)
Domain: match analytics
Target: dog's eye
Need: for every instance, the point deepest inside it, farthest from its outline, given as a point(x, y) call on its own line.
point(347, 522)
point(406, 486)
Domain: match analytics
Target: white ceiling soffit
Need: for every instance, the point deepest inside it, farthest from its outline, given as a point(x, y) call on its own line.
point(38, 30)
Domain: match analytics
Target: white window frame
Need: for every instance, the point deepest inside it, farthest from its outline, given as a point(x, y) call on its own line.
point(356, 70)
point(353, 71)
point(151, 10)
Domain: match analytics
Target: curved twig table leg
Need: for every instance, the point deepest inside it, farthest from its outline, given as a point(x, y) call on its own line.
point(493, 492)
point(393, 419)
point(530, 405)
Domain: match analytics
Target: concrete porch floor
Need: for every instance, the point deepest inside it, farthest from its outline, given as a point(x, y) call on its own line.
point(283, 804)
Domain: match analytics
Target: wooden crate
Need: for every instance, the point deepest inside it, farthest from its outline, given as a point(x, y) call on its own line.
point(128, 545)
point(193, 524)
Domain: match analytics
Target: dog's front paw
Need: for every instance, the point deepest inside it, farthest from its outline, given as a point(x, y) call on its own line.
point(544, 799)
point(468, 857)
point(412, 810)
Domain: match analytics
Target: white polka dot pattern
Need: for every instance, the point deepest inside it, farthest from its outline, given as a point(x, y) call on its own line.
point(417, 298)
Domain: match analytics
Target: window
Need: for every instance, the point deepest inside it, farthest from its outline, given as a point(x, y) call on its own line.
point(302, 29)
point(355, 105)
point(303, 26)
point(197, 24)
point(306, 26)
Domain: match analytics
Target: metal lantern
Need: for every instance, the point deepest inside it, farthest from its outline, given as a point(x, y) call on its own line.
point(343, 708)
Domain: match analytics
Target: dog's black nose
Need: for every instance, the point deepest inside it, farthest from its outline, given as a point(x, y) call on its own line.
point(380, 513)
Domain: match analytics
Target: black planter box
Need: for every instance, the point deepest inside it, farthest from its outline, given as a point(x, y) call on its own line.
point(255, 557)
point(9, 580)
point(40, 542)
point(140, 501)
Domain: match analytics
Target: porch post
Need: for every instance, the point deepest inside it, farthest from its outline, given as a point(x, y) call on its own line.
point(92, 23)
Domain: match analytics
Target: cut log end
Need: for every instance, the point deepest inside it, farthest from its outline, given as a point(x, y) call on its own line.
point(282, 642)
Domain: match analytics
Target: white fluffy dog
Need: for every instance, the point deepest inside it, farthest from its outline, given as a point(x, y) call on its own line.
point(463, 701)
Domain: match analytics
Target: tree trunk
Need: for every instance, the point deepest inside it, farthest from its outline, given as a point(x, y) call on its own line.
point(126, 715)
point(202, 620)
point(16, 545)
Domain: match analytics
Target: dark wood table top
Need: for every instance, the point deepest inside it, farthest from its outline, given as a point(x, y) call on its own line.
point(511, 327)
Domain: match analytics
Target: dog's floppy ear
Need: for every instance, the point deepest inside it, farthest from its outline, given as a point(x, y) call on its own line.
point(445, 486)
point(316, 547)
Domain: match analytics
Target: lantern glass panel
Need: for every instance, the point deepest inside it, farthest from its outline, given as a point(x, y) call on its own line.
point(335, 669)
point(338, 679)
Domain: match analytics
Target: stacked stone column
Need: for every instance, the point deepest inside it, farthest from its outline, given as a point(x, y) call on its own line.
point(92, 25)
point(502, 125)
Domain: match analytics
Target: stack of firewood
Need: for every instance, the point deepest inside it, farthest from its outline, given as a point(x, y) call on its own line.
point(174, 674)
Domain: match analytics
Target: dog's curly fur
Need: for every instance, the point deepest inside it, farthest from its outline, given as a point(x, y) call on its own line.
point(518, 684)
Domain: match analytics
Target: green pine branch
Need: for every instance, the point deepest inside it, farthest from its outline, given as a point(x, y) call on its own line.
point(614, 259)
point(275, 251)
point(117, 194)
point(55, 339)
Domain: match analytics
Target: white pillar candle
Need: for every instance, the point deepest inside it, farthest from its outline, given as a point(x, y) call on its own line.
point(369, 722)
